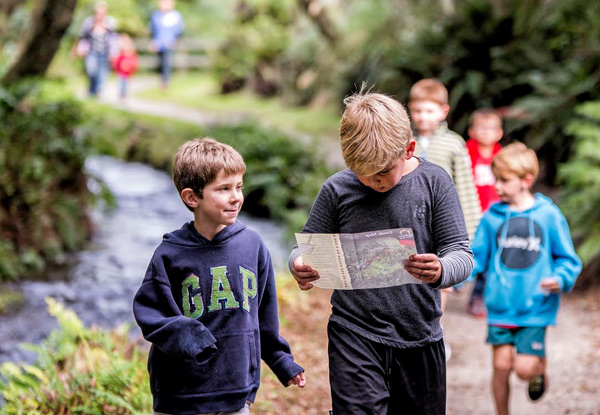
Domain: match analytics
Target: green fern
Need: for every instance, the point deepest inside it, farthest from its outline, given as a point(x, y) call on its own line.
point(79, 370)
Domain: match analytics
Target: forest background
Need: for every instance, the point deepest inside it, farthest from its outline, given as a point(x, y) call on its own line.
point(536, 61)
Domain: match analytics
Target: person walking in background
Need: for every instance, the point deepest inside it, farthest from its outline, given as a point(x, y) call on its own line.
point(386, 351)
point(524, 245)
point(208, 302)
point(166, 25)
point(428, 106)
point(485, 133)
point(126, 62)
point(97, 44)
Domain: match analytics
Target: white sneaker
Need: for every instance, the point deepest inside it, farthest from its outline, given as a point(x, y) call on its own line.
point(448, 351)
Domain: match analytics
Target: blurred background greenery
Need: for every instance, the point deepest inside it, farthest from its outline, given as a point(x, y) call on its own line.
point(286, 65)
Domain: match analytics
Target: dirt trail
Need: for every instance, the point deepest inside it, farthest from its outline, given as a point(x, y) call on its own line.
point(573, 368)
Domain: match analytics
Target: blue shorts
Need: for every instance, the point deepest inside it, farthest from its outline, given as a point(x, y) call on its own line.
point(526, 340)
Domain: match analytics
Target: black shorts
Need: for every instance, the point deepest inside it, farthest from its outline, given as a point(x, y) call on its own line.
point(371, 378)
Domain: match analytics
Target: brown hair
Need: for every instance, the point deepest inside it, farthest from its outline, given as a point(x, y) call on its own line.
point(429, 90)
point(374, 132)
point(517, 159)
point(485, 113)
point(199, 161)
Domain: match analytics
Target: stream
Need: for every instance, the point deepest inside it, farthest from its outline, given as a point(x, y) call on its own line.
point(101, 281)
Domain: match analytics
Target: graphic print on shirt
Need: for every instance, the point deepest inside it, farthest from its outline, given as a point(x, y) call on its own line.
point(520, 245)
point(483, 175)
point(221, 296)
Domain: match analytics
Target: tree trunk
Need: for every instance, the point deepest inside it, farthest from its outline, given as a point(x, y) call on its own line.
point(318, 15)
point(49, 23)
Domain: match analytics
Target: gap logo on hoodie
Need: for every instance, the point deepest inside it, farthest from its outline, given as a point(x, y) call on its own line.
point(519, 241)
point(221, 296)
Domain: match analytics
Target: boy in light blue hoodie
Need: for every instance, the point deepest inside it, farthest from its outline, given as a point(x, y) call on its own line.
point(524, 244)
point(166, 26)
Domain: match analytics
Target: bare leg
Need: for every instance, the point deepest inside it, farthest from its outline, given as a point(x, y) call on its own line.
point(502, 361)
point(528, 366)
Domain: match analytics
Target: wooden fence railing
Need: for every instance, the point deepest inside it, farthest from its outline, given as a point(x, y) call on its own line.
point(189, 53)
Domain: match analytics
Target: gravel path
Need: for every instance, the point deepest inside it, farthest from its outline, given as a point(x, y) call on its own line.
point(573, 361)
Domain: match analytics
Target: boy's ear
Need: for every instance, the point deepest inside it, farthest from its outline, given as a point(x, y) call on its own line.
point(410, 149)
point(190, 198)
point(528, 181)
point(446, 110)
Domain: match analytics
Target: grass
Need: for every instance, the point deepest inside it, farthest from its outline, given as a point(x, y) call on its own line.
point(201, 91)
point(10, 299)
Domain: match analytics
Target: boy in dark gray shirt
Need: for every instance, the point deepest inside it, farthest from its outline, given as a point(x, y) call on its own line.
point(386, 352)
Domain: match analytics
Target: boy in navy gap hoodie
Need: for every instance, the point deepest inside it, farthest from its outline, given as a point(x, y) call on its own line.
point(208, 302)
point(524, 244)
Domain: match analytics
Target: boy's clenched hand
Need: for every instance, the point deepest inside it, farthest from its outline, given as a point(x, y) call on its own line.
point(298, 380)
point(303, 274)
point(426, 267)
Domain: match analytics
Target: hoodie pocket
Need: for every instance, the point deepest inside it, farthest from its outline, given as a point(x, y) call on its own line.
point(496, 296)
point(231, 367)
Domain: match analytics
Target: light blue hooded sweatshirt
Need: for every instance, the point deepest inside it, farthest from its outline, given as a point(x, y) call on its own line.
point(518, 249)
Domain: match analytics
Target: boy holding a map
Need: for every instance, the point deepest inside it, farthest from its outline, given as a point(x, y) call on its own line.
point(386, 352)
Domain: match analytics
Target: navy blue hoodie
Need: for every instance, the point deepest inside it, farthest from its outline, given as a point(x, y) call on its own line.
point(209, 308)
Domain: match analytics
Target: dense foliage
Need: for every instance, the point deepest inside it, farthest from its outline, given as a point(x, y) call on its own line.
point(534, 60)
point(252, 47)
point(581, 176)
point(43, 190)
point(79, 370)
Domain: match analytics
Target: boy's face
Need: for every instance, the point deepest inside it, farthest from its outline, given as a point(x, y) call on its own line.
point(388, 178)
point(510, 186)
point(427, 115)
point(166, 5)
point(487, 131)
point(220, 204)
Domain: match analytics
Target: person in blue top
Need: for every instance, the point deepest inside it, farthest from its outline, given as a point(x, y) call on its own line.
point(524, 244)
point(166, 25)
point(208, 302)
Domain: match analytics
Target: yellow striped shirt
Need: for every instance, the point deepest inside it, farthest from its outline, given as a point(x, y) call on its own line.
point(448, 150)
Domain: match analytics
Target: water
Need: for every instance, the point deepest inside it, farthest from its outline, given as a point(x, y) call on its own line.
point(103, 279)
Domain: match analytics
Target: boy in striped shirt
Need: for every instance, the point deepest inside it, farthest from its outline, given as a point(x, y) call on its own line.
point(428, 106)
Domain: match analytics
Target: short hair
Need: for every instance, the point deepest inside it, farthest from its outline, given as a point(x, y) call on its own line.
point(517, 159)
point(374, 132)
point(429, 89)
point(199, 161)
point(485, 113)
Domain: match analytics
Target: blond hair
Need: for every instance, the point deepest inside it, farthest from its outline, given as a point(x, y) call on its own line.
point(374, 132)
point(516, 159)
point(199, 161)
point(429, 90)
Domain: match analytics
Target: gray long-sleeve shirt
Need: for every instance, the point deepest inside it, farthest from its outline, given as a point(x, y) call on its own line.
point(424, 200)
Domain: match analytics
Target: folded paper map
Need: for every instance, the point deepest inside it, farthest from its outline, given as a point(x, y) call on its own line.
point(348, 261)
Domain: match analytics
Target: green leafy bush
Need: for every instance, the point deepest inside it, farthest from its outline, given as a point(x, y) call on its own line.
point(534, 59)
point(581, 177)
point(79, 370)
point(255, 41)
point(43, 190)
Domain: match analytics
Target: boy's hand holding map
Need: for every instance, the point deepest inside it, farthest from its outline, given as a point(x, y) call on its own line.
point(363, 260)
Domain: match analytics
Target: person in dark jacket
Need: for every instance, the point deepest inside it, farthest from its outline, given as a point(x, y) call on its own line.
point(208, 302)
